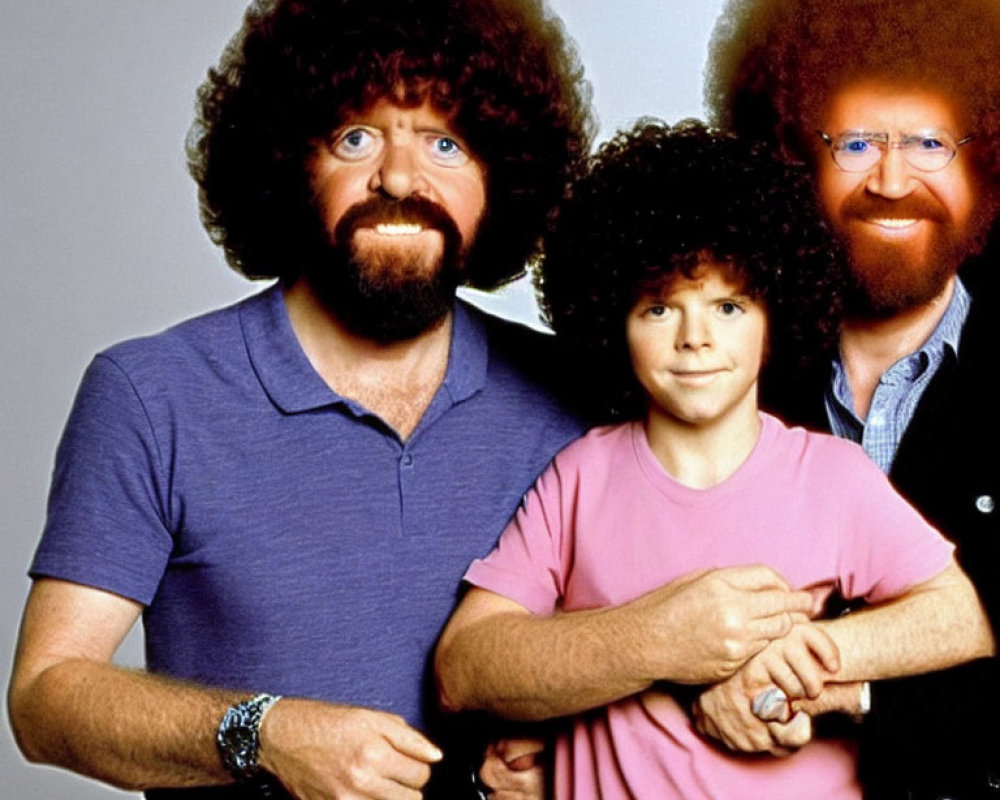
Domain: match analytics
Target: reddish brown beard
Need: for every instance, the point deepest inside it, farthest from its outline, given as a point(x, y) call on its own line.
point(887, 279)
point(375, 299)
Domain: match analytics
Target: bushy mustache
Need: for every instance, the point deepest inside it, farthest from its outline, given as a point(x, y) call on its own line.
point(917, 205)
point(411, 210)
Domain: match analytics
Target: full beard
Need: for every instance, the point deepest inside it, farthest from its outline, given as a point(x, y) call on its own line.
point(387, 292)
point(888, 277)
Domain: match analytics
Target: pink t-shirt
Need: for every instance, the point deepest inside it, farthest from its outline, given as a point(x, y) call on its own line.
point(605, 523)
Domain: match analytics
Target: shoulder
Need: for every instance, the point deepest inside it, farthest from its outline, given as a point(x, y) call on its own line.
point(192, 334)
point(816, 451)
point(595, 447)
point(523, 366)
point(179, 352)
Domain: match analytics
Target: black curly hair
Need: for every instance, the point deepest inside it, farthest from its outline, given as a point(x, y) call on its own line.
point(503, 71)
point(773, 64)
point(656, 202)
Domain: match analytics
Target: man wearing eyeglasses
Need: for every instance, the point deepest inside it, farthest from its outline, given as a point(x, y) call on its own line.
point(893, 104)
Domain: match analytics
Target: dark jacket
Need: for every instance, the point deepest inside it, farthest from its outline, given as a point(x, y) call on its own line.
point(936, 735)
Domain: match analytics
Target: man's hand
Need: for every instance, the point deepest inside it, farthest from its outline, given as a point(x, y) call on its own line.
point(800, 664)
point(706, 625)
point(327, 752)
point(724, 713)
point(512, 771)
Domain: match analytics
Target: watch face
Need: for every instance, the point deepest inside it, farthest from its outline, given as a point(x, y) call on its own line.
point(238, 741)
point(239, 738)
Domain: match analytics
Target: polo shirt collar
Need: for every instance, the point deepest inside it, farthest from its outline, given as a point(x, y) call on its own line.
point(292, 383)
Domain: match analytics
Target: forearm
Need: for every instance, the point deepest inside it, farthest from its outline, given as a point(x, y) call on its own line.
point(521, 666)
point(496, 656)
point(128, 728)
point(938, 624)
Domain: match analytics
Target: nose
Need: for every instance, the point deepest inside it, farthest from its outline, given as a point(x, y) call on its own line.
point(890, 177)
point(397, 176)
point(694, 331)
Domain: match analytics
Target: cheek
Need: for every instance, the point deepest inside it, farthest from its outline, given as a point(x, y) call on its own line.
point(466, 203)
point(833, 186)
point(337, 191)
point(645, 353)
point(960, 195)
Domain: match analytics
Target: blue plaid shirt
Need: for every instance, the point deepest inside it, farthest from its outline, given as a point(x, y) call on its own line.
point(899, 389)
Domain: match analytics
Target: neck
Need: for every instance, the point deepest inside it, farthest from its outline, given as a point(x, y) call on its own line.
point(703, 456)
point(394, 380)
point(869, 347)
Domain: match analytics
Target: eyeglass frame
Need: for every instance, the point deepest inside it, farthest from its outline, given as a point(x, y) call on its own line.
point(884, 142)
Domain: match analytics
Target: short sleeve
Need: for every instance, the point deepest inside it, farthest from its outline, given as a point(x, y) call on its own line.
point(107, 512)
point(890, 546)
point(527, 565)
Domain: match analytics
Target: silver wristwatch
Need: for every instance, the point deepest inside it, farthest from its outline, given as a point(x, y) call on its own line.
point(238, 736)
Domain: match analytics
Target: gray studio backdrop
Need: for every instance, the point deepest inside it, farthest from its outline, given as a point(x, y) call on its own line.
point(99, 232)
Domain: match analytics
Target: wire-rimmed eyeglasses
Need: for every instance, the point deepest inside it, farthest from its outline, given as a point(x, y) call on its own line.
point(859, 151)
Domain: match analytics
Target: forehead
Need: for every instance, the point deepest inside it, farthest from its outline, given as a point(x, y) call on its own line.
point(391, 112)
point(704, 276)
point(877, 106)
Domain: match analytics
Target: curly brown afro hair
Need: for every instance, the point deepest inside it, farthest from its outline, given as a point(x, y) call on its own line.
point(656, 202)
point(773, 64)
point(502, 71)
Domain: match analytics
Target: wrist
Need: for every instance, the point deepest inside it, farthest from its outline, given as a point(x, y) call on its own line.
point(238, 736)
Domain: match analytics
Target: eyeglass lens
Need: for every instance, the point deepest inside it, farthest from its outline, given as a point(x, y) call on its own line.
point(859, 152)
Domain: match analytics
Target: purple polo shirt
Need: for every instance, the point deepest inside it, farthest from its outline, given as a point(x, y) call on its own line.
point(281, 537)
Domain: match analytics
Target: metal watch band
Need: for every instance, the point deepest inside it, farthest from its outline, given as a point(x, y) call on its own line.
point(865, 698)
point(238, 735)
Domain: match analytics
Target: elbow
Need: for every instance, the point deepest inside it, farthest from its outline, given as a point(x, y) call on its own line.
point(447, 679)
point(23, 725)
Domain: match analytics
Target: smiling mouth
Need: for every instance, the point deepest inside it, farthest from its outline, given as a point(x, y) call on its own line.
point(893, 223)
point(398, 229)
point(696, 376)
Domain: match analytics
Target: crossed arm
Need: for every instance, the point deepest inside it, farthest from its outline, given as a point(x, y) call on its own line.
point(700, 629)
point(494, 655)
point(935, 625)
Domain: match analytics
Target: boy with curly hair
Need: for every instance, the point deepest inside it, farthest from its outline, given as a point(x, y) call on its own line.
point(682, 262)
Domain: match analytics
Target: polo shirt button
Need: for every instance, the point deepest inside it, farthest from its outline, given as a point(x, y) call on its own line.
point(408, 460)
point(985, 504)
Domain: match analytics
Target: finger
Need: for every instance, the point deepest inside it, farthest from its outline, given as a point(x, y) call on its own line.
point(498, 775)
point(525, 784)
point(809, 673)
point(793, 734)
point(820, 595)
point(520, 753)
point(410, 742)
point(755, 578)
point(409, 772)
point(785, 676)
point(823, 647)
point(775, 603)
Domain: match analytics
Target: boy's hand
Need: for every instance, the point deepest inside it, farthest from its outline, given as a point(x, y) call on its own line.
point(801, 663)
point(512, 770)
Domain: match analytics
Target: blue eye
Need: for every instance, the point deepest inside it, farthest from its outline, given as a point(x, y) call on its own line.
point(354, 144)
point(444, 150)
point(930, 144)
point(728, 308)
point(855, 147)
